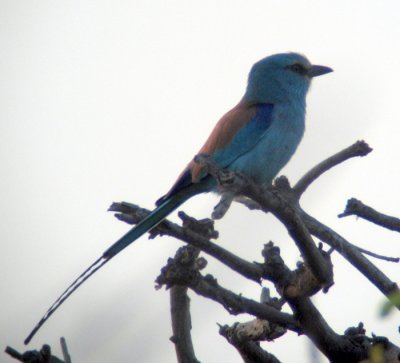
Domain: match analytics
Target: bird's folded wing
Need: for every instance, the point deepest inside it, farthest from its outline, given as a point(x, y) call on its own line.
point(235, 134)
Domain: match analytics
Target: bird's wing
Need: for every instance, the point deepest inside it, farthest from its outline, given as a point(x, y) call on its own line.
point(236, 133)
point(245, 137)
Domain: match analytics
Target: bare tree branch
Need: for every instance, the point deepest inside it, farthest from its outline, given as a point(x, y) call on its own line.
point(180, 308)
point(34, 356)
point(281, 203)
point(296, 290)
point(245, 337)
point(360, 148)
point(179, 271)
point(14, 353)
point(250, 351)
point(275, 202)
point(352, 254)
point(132, 214)
point(64, 349)
point(295, 287)
point(357, 208)
point(181, 325)
point(338, 348)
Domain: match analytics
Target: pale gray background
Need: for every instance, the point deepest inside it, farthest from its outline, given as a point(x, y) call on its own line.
point(108, 100)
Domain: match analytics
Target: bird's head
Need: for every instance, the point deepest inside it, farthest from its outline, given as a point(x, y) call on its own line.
point(281, 77)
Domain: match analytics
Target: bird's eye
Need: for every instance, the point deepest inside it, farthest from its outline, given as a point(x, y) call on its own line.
point(298, 68)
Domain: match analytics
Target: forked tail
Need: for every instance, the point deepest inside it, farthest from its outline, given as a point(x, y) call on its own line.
point(149, 222)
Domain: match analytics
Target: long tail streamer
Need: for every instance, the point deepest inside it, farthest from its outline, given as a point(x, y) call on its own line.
point(145, 225)
point(100, 262)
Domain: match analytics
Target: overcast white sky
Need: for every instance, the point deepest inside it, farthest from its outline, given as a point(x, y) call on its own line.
point(105, 101)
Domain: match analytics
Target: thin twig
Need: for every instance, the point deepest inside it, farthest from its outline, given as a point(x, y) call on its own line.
point(64, 349)
point(380, 257)
point(14, 353)
point(358, 208)
point(352, 254)
point(360, 148)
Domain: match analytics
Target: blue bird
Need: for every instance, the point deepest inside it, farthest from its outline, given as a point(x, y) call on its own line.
point(256, 138)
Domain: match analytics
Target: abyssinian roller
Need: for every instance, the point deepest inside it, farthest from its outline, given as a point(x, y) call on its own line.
point(257, 138)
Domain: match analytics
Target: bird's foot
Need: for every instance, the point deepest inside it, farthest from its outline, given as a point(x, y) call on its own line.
point(222, 207)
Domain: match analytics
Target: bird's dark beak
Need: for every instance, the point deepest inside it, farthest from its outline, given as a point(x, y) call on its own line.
point(316, 71)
